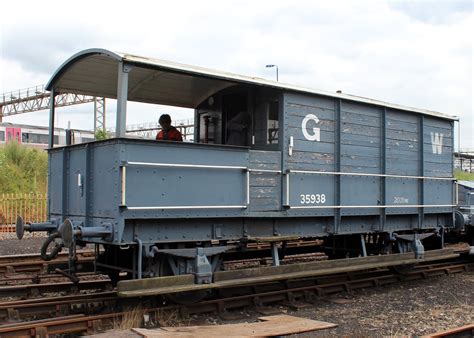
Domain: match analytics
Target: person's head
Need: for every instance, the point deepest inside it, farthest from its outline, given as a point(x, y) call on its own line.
point(165, 121)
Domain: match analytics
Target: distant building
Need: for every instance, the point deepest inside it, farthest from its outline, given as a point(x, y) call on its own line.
point(37, 136)
point(464, 160)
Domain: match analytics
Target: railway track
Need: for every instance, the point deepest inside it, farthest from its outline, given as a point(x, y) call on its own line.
point(32, 263)
point(56, 306)
point(91, 313)
point(36, 290)
point(458, 332)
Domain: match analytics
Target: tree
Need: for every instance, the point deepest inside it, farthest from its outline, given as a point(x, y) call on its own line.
point(101, 134)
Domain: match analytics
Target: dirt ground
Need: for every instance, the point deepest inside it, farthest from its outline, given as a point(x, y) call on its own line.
point(408, 309)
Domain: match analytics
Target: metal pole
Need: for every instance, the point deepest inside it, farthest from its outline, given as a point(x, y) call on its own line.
point(421, 168)
point(51, 118)
point(459, 137)
point(271, 66)
point(122, 93)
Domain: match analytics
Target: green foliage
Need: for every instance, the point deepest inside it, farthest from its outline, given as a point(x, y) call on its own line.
point(463, 176)
point(22, 169)
point(101, 134)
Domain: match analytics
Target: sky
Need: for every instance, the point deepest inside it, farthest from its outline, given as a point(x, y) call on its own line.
point(414, 53)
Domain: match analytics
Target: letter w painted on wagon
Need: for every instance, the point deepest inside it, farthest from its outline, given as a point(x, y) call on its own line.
point(437, 143)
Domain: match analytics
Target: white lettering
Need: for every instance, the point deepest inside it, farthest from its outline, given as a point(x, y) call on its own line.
point(313, 198)
point(316, 136)
point(400, 200)
point(437, 143)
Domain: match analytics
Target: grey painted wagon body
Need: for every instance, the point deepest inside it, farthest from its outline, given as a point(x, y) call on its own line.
point(316, 164)
point(166, 191)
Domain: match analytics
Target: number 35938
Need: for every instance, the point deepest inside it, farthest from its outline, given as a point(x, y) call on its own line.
point(312, 198)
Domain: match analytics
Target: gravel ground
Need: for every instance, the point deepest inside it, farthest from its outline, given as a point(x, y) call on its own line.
point(30, 244)
point(412, 308)
point(408, 309)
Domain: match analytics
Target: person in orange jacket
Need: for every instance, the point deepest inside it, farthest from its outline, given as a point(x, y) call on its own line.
point(168, 132)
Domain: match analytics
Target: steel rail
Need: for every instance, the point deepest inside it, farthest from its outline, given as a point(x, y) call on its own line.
point(349, 282)
point(463, 331)
point(29, 257)
point(33, 263)
point(290, 292)
point(58, 306)
point(11, 279)
point(37, 289)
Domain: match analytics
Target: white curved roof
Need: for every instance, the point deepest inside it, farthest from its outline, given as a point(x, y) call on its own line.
point(94, 72)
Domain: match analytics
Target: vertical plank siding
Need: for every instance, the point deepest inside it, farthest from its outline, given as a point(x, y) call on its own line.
point(265, 187)
point(372, 140)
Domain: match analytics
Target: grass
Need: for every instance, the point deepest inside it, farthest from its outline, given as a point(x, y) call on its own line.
point(138, 317)
point(463, 176)
point(132, 318)
point(170, 318)
point(22, 169)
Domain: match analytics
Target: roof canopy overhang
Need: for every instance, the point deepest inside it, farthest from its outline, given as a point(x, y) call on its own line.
point(94, 72)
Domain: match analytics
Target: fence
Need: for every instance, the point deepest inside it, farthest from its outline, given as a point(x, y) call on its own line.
point(32, 207)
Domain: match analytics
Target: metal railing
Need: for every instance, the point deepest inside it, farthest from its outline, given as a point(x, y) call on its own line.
point(31, 206)
point(37, 98)
point(386, 206)
point(150, 129)
point(24, 93)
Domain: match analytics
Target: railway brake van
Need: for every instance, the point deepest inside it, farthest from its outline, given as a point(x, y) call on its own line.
point(271, 163)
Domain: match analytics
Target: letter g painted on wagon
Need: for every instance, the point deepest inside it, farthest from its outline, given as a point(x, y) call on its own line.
point(316, 134)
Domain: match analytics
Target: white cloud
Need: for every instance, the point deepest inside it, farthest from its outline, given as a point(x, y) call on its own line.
point(412, 53)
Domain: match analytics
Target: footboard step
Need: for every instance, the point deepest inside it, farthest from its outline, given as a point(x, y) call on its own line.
point(269, 326)
point(226, 279)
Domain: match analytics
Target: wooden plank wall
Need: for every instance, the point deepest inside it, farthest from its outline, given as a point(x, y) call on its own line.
point(265, 187)
point(402, 143)
point(360, 138)
point(309, 155)
point(361, 150)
